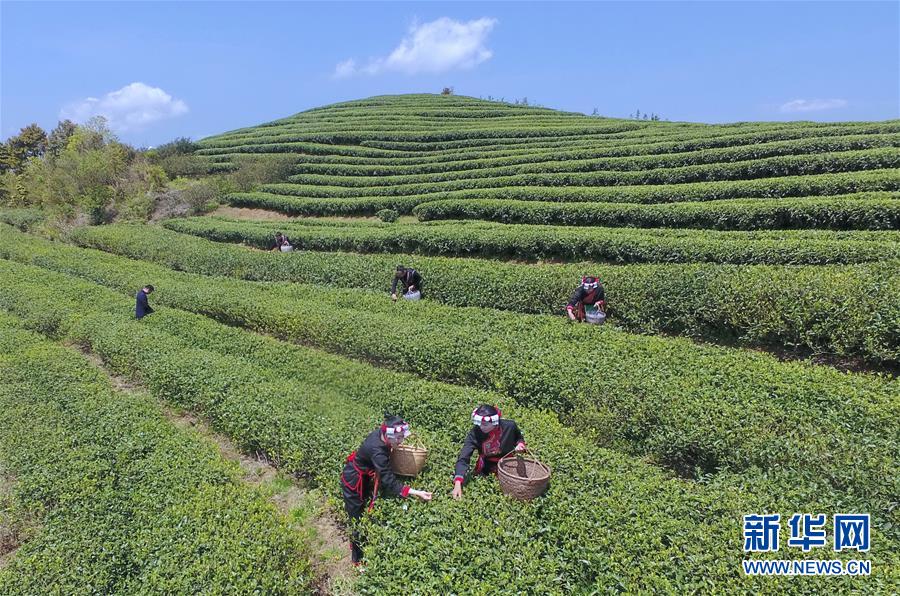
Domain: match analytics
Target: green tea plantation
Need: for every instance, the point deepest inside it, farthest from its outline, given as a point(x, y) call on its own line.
point(747, 368)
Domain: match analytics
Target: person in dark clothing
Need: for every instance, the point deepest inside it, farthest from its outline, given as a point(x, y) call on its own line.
point(368, 468)
point(282, 243)
point(408, 278)
point(492, 437)
point(589, 293)
point(142, 308)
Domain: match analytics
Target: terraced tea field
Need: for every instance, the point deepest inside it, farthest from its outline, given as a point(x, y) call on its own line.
point(748, 364)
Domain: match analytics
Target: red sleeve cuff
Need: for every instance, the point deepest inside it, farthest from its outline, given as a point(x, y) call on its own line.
point(404, 491)
point(455, 478)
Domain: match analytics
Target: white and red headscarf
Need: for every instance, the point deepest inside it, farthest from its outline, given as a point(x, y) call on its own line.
point(478, 419)
point(590, 283)
point(396, 431)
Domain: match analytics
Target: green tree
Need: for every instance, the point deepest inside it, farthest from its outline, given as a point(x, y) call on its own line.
point(177, 158)
point(180, 146)
point(59, 137)
point(94, 134)
point(30, 142)
point(4, 158)
point(87, 173)
point(86, 170)
point(19, 195)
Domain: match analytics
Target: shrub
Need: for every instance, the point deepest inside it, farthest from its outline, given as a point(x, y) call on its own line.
point(861, 211)
point(200, 197)
point(387, 215)
point(828, 309)
point(127, 502)
point(252, 171)
point(613, 245)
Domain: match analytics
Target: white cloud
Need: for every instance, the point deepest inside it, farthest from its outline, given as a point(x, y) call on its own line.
point(131, 108)
point(813, 105)
point(345, 69)
point(433, 47)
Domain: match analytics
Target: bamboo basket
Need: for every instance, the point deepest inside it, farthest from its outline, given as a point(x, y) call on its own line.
point(409, 458)
point(522, 478)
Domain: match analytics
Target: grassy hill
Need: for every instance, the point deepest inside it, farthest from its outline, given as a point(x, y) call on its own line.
point(408, 152)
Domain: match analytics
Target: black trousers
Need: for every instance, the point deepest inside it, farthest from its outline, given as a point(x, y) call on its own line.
point(355, 502)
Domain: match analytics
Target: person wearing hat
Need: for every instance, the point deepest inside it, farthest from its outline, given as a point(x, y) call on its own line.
point(492, 437)
point(589, 293)
point(142, 306)
point(368, 468)
point(408, 278)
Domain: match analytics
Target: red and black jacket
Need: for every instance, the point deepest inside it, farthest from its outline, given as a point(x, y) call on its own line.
point(372, 460)
point(587, 297)
point(490, 447)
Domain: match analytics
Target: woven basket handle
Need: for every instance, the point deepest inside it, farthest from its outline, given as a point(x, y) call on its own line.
point(520, 454)
point(528, 451)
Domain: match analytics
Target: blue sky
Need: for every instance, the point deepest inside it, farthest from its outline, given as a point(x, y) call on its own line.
point(165, 69)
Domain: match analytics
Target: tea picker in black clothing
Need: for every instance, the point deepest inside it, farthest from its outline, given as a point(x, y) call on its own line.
point(409, 280)
point(589, 297)
point(492, 437)
point(282, 243)
point(369, 468)
point(142, 306)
